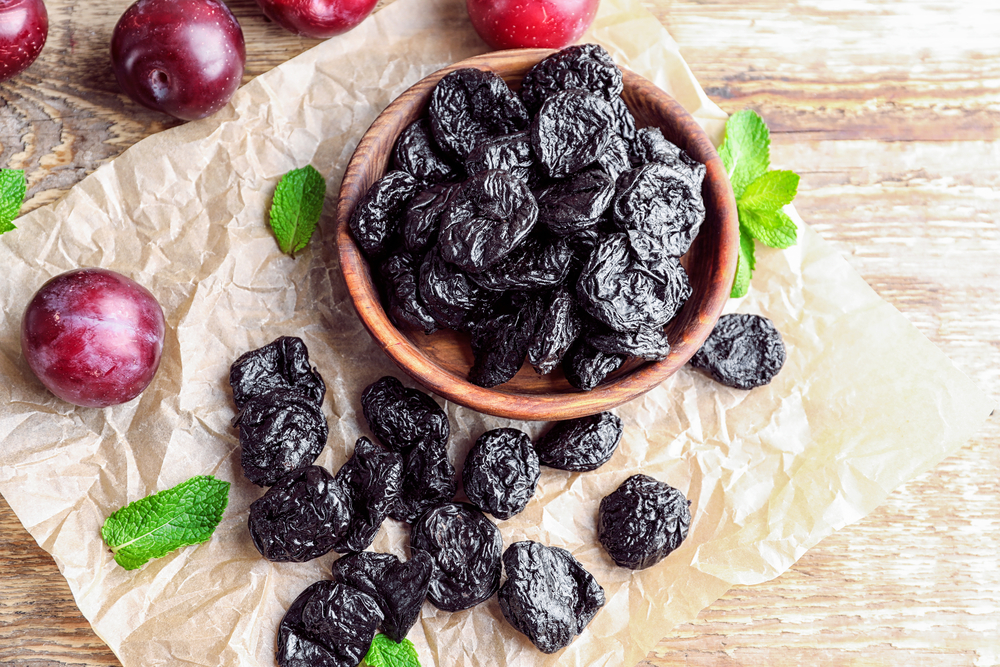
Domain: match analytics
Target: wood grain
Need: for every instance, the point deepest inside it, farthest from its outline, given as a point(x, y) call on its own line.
point(889, 111)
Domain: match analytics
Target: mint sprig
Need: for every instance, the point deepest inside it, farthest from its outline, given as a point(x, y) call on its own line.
point(386, 653)
point(760, 192)
point(296, 208)
point(13, 187)
point(154, 526)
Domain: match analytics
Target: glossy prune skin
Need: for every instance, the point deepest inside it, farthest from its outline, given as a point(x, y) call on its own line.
point(428, 481)
point(581, 444)
point(743, 351)
point(548, 595)
point(558, 328)
point(281, 364)
point(501, 472)
point(571, 131)
point(449, 294)
point(660, 210)
point(403, 418)
point(586, 367)
point(511, 153)
point(500, 342)
point(571, 204)
point(466, 548)
point(375, 223)
point(649, 343)
point(399, 588)
point(301, 517)
point(423, 216)
point(642, 521)
point(328, 625)
point(536, 264)
point(371, 480)
point(650, 145)
point(586, 66)
point(417, 154)
point(402, 296)
point(279, 431)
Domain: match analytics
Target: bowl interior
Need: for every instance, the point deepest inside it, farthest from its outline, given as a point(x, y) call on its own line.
point(441, 361)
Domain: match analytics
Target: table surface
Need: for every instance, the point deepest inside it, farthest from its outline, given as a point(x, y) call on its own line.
point(890, 112)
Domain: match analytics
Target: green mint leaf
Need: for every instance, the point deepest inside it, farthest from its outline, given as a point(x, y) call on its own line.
point(386, 653)
point(156, 525)
point(773, 228)
point(770, 191)
point(746, 149)
point(745, 263)
point(13, 187)
point(296, 207)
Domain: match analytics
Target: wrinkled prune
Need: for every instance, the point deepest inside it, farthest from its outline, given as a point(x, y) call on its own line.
point(469, 105)
point(642, 521)
point(466, 548)
point(580, 444)
point(571, 131)
point(301, 517)
point(659, 209)
point(548, 595)
point(535, 265)
point(500, 343)
point(418, 155)
point(281, 364)
point(404, 305)
point(586, 367)
point(428, 481)
point(511, 153)
point(574, 203)
point(555, 333)
point(650, 343)
point(501, 472)
point(328, 625)
point(403, 418)
point(279, 431)
point(423, 216)
point(615, 160)
point(743, 351)
point(586, 66)
point(650, 145)
point(624, 120)
point(376, 220)
point(399, 588)
point(449, 294)
point(371, 480)
point(490, 215)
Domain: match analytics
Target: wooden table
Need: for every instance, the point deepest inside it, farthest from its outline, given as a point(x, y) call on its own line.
point(890, 111)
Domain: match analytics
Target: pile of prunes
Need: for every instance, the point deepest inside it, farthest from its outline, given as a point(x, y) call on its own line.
point(542, 223)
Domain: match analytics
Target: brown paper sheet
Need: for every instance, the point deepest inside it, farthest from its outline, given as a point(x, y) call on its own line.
point(863, 404)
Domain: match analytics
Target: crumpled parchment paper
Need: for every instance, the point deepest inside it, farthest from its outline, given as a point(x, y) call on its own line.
point(863, 403)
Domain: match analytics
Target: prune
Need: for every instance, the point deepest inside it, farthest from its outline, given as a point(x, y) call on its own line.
point(624, 120)
point(490, 215)
point(650, 145)
point(623, 293)
point(536, 264)
point(428, 481)
point(642, 521)
point(371, 481)
point(580, 444)
point(650, 343)
point(743, 351)
point(659, 209)
point(548, 595)
point(555, 333)
point(500, 343)
point(376, 220)
point(403, 418)
point(466, 548)
point(328, 625)
point(423, 216)
point(404, 305)
point(575, 203)
point(301, 517)
point(281, 364)
point(450, 296)
point(399, 588)
point(501, 472)
point(511, 153)
point(586, 367)
point(586, 66)
point(571, 131)
point(469, 105)
point(418, 155)
point(279, 431)
point(615, 160)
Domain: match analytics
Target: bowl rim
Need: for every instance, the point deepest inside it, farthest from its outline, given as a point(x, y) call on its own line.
point(496, 400)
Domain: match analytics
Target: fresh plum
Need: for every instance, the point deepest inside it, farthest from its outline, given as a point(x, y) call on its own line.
point(93, 337)
point(512, 24)
point(24, 26)
point(181, 57)
point(317, 18)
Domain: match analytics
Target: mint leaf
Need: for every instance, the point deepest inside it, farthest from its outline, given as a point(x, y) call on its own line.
point(745, 263)
point(746, 149)
point(13, 187)
point(773, 228)
point(386, 653)
point(296, 207)
point(770, 191)
point(156, 525)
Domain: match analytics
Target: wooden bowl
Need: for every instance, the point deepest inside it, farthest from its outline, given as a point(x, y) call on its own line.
point(441, 361)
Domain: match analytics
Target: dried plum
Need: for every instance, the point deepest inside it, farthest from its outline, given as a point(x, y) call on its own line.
point(328, 625)
point(428, 481)
point(279, 431)
point(399, 588)
point(490, 215)
point(642, 521)
point(586, 367)
point(423, 216)
point(575, 203)
point(402, 296)
point(500, 343)
point(580, 444)
point(466, 548)
point(743, 351)
point(301, 517)
point(371, 481)
point(536, 264)
point(586, 66)
point(624, 120)
point(403, 418)
point(501, 472)
point(450, 296)
point(650, 145)
point(376, 220)
point(511, 153)
point(571, 131)
point(555, 333)
point(659, 209)
point(418, 155)
point(548, 595)
point(615, 159)
point(650, 343)
point(469, 105)
point(281, 364)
